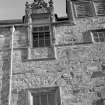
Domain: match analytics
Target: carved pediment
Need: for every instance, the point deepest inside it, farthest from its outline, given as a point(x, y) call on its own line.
point(38, 6)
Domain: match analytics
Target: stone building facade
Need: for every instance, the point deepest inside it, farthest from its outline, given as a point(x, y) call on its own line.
point(55, 60)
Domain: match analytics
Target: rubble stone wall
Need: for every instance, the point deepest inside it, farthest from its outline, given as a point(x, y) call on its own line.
point(77, 69)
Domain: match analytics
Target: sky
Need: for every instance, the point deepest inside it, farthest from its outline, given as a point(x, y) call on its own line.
point(15, 9)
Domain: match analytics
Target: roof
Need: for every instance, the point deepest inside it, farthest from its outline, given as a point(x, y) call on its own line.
point(11, 22)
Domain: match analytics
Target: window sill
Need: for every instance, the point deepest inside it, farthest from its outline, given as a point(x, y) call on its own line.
point(72, 44)
point(42, 59)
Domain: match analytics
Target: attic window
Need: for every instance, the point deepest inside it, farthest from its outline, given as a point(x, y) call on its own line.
point(99, 7)
point(41, 36)
point(82, 9)
point(98, 35)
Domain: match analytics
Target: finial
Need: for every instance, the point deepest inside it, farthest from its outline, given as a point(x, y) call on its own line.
point(51, 3)
point(27, 4)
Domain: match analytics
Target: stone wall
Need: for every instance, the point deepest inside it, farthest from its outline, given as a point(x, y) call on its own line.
point(5, 59)
point(76, 70)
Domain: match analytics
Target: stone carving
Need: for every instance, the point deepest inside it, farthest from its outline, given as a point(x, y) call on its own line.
point(38, 4)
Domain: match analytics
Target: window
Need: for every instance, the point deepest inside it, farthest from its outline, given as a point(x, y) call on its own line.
point(94, 36)
point(41, 36)
point(99, 7)
point(85, 8)
point(44, 96)
point(82, 9)
point(44, 99)
point(98, 35)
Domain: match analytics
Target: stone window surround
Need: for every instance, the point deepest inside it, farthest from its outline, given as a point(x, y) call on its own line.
point(30, 42)
point(76, 7)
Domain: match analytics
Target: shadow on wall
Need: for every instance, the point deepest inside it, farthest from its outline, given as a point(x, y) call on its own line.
point(6, 58)
point(24, 54)
point(22, 99)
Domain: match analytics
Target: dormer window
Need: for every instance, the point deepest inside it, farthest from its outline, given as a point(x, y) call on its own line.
point(85, 8)
point(99, 7)
point(40, 30)
point(82, 9)
point(41, 36)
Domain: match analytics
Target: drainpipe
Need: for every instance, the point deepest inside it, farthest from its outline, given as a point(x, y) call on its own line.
point(11, 70)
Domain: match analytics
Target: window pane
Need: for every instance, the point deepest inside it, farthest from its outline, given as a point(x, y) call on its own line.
point(46, 28)
point(95, 34)
point(47, 35)
point(41, 43)
point(101, 36)
point(40, 29)
point(101, 39)
point(43, 99)
point(35, 43)
point(47, 42)
point(35, 36)
point(36, 100)
point(35, 28)
point(41, 35)
point(96, 40)
point(51, 99)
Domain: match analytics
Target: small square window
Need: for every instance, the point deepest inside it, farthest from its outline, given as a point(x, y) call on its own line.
point(98, 35)
point(41, 36)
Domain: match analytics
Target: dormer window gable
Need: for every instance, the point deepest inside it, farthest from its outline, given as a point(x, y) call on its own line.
point(40, 19)
point(40, 30)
